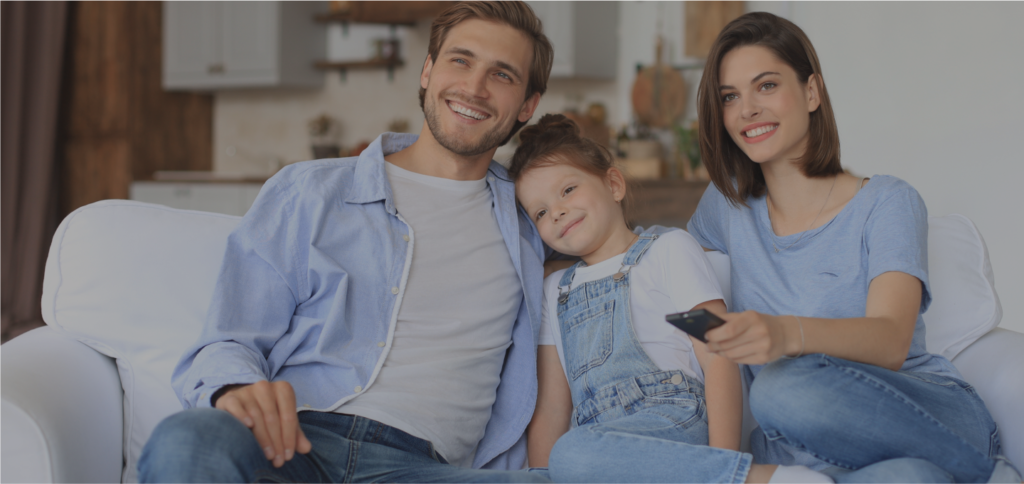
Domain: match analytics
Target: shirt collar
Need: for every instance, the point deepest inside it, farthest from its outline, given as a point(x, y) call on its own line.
point(371, 177)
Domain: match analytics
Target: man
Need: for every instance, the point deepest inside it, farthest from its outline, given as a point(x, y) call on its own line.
point(374, 318)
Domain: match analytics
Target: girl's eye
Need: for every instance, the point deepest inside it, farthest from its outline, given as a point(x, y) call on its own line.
point(728, 97)
point(767, 86)
point(541, 214)
point(568, 190)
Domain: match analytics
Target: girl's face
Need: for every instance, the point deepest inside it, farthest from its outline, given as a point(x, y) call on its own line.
point(576, 212)
point(766, 107)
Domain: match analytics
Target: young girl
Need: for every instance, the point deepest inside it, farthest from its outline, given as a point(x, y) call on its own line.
point(627, 397)
point(830, 271)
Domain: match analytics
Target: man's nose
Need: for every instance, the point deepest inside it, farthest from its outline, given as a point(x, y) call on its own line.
point(476, 84)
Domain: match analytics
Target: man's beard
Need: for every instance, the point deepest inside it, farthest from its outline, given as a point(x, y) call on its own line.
point(490, 140)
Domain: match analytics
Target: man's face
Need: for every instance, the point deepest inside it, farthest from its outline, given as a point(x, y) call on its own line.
point(476, 88)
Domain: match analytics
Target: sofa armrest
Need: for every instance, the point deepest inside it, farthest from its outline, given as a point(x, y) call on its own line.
point(994, 366)
point(62, 411)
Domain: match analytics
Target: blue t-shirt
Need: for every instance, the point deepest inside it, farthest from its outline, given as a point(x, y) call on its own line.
point(824, 272)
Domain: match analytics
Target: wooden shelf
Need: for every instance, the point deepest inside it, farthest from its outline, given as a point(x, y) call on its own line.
point(343, 67)
point(367, 64)
point(664, 202)
point(337, 17)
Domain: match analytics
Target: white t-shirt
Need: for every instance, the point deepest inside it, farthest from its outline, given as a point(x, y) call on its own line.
point(673, 276)
point(459, 304)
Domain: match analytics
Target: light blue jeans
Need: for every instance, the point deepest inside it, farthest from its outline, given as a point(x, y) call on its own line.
point(209, 445)
point(863, 423)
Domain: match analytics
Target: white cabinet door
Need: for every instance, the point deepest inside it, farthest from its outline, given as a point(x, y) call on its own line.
point(250, 41)
point(223, 45)
point(192, 33)
point(584, 36)
point(226, 198)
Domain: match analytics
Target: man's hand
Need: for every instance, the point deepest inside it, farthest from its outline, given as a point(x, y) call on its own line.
point(269, 410)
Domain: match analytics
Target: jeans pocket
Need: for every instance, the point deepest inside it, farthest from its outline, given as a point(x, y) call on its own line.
point(587, 338)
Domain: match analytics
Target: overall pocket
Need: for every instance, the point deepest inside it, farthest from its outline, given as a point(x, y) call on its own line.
point(587, 338)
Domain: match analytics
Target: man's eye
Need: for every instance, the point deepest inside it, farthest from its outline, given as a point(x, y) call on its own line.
point(505, 76)
point(728, 97)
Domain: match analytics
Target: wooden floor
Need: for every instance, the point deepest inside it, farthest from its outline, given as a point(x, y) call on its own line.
point(664, 202)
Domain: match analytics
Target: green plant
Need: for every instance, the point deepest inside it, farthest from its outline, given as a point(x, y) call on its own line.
point(688, 142)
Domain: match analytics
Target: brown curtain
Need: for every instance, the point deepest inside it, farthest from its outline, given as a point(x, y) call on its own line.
point(33, 35)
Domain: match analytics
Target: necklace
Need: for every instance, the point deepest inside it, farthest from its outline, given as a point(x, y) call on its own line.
point(772, 224)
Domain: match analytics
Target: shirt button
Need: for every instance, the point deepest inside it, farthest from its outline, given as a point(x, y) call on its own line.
point(677, 379)
point(202, 396)
point(405, 238)
point(380, 344)
point(394, 290)
point(358, 388)
point(490, 178)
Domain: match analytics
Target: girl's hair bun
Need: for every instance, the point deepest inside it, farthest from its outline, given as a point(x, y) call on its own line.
point(550, 126)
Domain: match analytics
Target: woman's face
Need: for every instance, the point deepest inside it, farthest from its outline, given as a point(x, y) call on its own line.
point(766, 107)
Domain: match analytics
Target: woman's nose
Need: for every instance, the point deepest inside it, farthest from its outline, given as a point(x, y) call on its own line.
point(750, 108)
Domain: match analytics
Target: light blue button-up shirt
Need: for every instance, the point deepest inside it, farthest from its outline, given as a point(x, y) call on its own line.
point(308, 287)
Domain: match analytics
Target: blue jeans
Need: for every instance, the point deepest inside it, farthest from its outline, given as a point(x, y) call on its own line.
point(863, 423)
point(663, 443)
point(209, 445)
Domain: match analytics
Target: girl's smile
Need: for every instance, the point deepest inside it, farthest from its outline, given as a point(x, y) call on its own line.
point(576, 212)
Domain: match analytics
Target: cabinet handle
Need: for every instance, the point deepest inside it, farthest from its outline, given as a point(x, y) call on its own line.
point(215, 68)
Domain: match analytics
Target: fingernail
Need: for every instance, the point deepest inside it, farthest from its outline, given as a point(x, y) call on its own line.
point(247, 422)
point(269, 452)
point(288, 454)
point(278, 461)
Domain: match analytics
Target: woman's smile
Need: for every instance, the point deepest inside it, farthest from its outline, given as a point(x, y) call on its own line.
point(758, 132)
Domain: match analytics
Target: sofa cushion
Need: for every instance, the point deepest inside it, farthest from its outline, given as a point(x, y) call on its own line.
point(133, 281)
point(965, 305)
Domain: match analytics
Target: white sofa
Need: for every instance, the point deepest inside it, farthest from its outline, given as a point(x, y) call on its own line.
point(126, 290)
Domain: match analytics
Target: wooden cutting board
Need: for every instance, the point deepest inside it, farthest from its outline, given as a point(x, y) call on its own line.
point(659, 94)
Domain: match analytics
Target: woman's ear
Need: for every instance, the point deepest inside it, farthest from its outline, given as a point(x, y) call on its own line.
point(813, 94)
point(616, 183)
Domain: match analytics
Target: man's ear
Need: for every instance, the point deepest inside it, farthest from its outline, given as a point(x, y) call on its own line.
point(529, 106)
point(616, 183)
point(813, 94)
point(428, 64)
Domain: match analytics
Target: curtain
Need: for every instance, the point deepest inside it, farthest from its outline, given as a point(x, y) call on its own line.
point(33, 36)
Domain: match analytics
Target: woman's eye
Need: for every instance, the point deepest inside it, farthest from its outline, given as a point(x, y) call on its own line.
point(767, 86)
point(728, 97)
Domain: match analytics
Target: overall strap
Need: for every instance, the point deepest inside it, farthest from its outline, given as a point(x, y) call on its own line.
point(632, 257)
point(637, 250)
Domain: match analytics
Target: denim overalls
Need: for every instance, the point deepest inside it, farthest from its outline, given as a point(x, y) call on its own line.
point(631, 421)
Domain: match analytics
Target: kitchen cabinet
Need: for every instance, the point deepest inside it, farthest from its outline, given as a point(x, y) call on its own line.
point(224, 45)
point(584, 35)
point(231, 198)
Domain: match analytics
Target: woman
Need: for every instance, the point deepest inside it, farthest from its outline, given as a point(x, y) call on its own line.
point(829, 278)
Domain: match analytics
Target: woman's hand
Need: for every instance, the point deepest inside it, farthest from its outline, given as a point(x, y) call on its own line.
point(753, 338)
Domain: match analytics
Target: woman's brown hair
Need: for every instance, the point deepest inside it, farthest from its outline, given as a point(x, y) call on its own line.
point(724, 160)
point(515, 14)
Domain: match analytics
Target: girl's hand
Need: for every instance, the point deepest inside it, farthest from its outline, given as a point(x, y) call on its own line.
point(753, 338)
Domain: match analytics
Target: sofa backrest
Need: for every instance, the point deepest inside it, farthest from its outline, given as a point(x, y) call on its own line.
point(133, 281)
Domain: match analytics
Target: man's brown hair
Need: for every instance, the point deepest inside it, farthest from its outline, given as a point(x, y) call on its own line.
point(724, 160)
point(515, 14)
